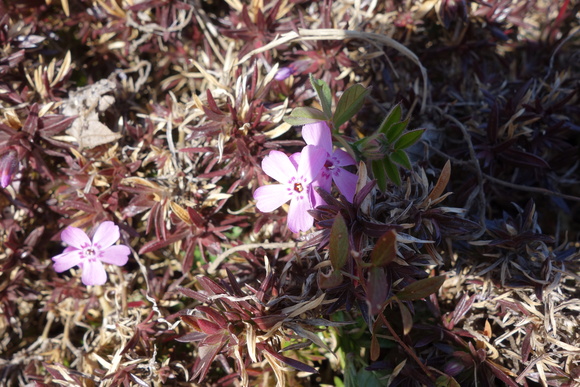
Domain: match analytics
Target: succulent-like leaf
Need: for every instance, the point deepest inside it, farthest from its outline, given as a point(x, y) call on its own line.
point(376, 289)
point(406, 318)
point(331, 280)
point(421, 289)
point(385, 249)
point(375, 346)
point(349, 104)
point(338, 245)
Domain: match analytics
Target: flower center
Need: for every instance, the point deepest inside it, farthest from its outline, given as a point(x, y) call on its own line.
point(298, 187)
point(329, 164)
point(90, 252)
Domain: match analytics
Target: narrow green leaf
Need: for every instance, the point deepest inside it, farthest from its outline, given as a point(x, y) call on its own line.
point(421, 289)
point(400, 157)
point(338, 245)
point(324, 95)
point(379, 174)
point(396, 130)
point(392, 170)
point(385, 249)
point(349, 104)
point(409, 138)
point(446, 381)
point(304, 115)
point(393, 117)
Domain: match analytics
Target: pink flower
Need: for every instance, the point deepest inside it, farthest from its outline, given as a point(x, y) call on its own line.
point(90, 255)
point(283, 73)
point(296, 67)
point(295, 185)
point(318, 134)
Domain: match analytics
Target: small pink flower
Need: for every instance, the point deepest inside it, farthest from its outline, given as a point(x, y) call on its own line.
point(318, 134)
point(296, 67)
point(283, 73)
point(295, 185)
point(90, 255)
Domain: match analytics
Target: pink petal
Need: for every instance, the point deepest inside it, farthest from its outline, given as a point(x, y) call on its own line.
point(298, 217)
point(75, 237)
point(278, 166)
point(295, 159)
point(342, 159)
point(312, 159)
point(346, 182)
point(66, 260)
point(315, 198)
point(93, 273)
point(283, 73)
point(318, 134)
point(270, 197)
point(116, 255)
point(107, 234)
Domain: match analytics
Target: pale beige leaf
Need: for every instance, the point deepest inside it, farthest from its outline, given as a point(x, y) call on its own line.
point(91, 133)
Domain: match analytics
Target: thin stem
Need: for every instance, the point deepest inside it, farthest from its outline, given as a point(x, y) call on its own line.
point(406, 348)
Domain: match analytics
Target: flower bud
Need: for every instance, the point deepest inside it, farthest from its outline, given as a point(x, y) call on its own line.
point(283, 73)
point(8, 167)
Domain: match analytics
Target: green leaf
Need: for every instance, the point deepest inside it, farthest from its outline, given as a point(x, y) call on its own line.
point(446, 381)
point(350, 373)
point(349, 104)
point(379, 174)
point(393, 117)
point(324, 95)
point(392, 170)
point(305, 115)
point(385, 249)
point(396, 130)
point(368, 379)
point(421, 289)
point(338, 245)
point(409, 138)
point(400, 157)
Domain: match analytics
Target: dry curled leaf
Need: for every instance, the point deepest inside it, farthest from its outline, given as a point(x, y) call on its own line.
point(87, 103)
